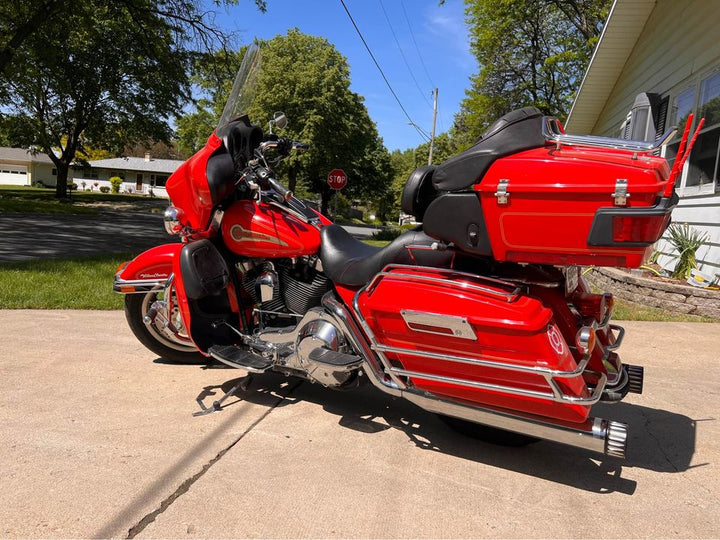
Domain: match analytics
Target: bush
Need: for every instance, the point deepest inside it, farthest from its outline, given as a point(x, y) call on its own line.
point(104, 189)
point(391, 233)
point(116, 182)
point(686, 241)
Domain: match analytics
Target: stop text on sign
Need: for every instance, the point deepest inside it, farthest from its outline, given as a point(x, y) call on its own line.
point(337, 179)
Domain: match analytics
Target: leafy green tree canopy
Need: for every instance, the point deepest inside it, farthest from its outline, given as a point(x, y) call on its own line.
point(97, 71)
point(309, 80)
point(531, 52)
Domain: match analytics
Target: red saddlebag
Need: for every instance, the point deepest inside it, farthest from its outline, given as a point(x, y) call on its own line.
point(473, 339)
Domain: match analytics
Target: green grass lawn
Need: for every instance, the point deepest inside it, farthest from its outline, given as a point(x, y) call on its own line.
point(79, 283)
point(42, 200)
point(627, 311)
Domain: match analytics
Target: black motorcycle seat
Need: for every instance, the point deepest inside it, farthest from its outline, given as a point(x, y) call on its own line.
point(516, 131)
point(351, 262)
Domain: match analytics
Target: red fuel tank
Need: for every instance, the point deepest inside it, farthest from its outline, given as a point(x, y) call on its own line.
point(259, 230)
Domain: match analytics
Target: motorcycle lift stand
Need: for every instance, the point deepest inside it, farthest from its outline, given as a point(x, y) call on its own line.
point(216, 406)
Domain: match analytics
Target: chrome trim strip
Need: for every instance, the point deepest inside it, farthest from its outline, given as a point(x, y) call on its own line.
point(552, 135)
point(592, 434)
point(458, 326)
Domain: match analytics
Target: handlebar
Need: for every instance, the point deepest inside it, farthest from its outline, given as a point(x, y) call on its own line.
point(284, 192)
point(280, 143)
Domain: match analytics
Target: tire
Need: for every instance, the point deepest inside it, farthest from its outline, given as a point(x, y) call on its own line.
point(176, 350)
point(488, 434)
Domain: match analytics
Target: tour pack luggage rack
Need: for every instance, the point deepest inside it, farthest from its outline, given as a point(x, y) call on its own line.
point(553, 132)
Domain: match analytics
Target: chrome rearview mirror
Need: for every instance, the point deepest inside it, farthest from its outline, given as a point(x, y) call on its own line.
point(279, 120)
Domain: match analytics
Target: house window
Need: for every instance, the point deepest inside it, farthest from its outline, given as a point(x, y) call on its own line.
point(703, 166)
point(54, 172)
point(160, 180)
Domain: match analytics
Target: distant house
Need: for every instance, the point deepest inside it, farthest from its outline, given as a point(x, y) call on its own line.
point(21, 167)
point(140, 175)
point(656, 62)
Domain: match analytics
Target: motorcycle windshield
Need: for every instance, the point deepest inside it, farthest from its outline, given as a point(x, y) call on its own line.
point(243, 90)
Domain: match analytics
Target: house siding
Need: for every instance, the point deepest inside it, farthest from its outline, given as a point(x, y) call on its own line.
point(679, 40)
point(677, 46)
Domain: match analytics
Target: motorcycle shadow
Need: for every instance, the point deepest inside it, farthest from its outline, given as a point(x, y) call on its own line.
point(660, 441)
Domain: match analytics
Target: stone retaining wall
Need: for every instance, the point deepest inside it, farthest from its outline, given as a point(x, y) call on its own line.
point(649, 292)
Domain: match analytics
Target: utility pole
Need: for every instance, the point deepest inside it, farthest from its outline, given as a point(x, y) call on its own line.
point(432, 135)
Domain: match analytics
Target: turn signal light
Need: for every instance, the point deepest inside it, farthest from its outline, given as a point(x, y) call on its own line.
point(639, 228)
point(585, 340)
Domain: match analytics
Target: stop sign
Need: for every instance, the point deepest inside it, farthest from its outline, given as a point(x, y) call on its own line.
point(337, 179)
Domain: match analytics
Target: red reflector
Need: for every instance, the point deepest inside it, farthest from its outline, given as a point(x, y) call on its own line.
point(639, 228)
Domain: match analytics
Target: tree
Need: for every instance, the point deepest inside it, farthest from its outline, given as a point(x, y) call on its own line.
point(18, 20)
point(99, 72)
point(308, 79)
point(531, 52)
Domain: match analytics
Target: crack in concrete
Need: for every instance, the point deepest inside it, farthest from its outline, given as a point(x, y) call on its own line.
point(657, 441)
point(185, 486)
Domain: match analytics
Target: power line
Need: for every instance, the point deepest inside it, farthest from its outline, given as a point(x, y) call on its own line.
point(412, 35)
point(403, 55)
point(413, 124)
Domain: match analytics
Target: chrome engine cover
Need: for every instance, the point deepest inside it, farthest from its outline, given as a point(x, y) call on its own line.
point(317, 331)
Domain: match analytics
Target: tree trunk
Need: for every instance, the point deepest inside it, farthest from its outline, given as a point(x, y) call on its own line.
point(324, 200)
point(292, 179)
point(62, 180)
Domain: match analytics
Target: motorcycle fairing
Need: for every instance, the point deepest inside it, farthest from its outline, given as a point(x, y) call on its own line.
point(149, 269)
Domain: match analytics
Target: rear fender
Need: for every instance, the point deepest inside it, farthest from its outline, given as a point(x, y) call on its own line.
point(148, 270)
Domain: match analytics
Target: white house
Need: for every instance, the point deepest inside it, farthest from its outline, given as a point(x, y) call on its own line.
point(21, 167)
point(140, 175)
point(669, 51)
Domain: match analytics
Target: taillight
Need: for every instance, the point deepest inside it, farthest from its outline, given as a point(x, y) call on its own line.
point(597, 306)
point(639, 228)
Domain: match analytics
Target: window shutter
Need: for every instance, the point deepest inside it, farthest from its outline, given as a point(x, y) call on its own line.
point(660, 117)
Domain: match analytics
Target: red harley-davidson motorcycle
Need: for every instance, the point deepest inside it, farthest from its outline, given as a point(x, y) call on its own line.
point(479, 314)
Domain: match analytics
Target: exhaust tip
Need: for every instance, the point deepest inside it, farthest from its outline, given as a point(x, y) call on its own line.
point(636, 375)
point(616, 439)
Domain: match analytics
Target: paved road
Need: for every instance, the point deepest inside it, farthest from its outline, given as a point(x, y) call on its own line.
point(37, 236)
point(99, 441)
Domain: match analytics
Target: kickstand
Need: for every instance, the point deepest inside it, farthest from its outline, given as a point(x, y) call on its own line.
point(217, 404)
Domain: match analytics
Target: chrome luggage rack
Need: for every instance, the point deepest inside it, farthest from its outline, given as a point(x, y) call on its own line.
point(553, 133)
point(551, 376)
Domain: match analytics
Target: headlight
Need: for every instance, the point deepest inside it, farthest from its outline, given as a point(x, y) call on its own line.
point(173, 219)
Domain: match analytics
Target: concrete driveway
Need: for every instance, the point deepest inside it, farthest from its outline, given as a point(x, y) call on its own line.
point(99, 441)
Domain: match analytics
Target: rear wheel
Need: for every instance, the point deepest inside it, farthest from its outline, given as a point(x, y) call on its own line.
point(488, 434)
point(177, 348)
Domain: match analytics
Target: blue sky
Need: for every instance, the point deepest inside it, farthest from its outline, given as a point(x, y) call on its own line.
point(440, 34)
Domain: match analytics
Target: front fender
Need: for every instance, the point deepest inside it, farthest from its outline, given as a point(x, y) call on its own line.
point(148, 270)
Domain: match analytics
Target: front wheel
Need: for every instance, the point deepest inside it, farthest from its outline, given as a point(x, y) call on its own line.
point(175, 348)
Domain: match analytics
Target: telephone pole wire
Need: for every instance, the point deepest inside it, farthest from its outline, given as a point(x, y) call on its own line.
point(432, 134)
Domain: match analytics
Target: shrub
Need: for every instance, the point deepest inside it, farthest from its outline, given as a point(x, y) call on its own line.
point(391, 233)
point(686, 242)
point(104, 189)
point(116, 182)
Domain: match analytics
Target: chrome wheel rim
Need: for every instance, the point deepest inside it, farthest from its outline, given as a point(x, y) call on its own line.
point(180, 341)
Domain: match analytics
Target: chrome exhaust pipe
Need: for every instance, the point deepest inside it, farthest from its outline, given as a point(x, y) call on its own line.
point(595, 434)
